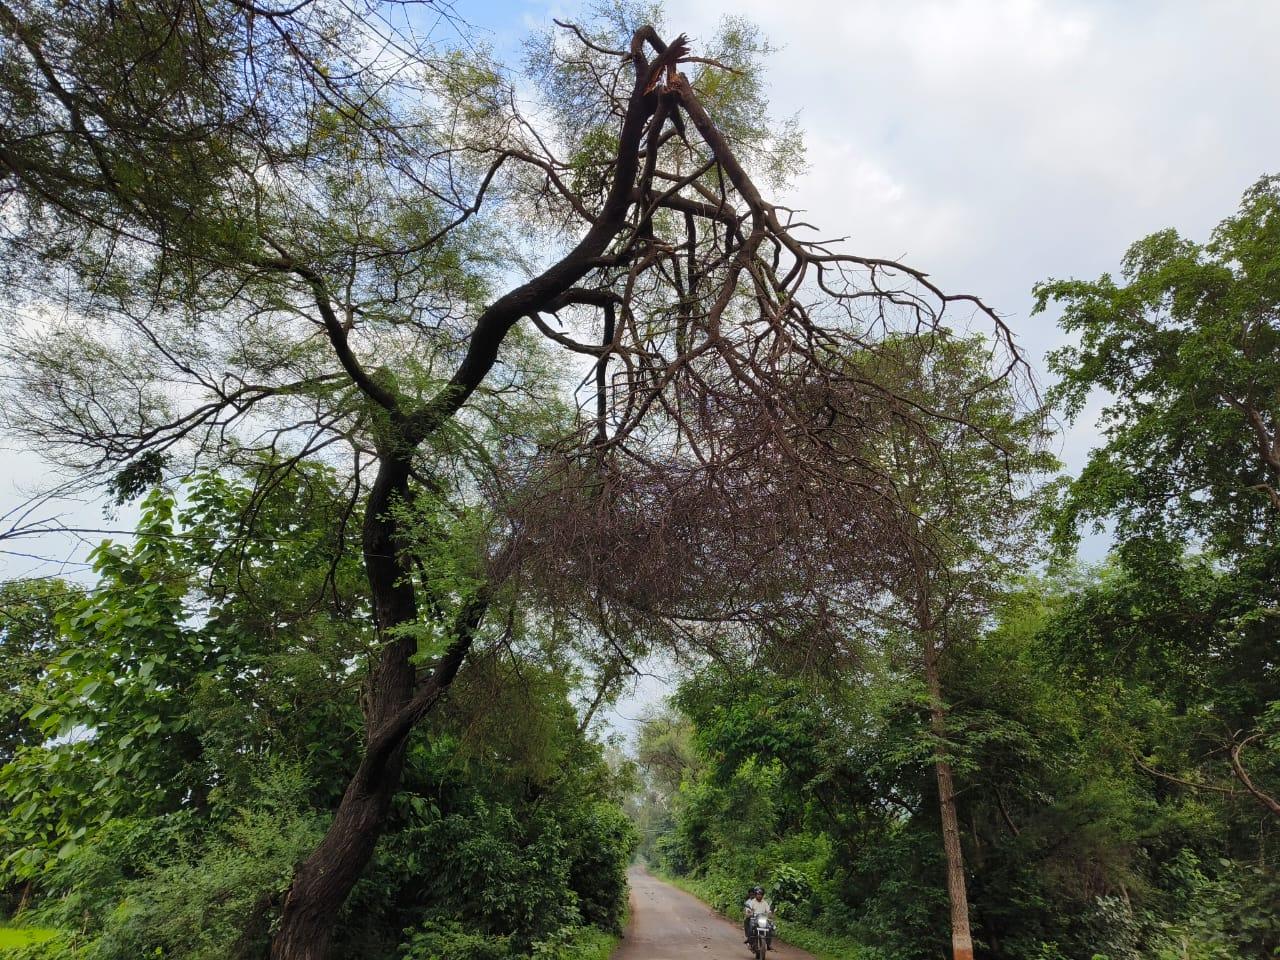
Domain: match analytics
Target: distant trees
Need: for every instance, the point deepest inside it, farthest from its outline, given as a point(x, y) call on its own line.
point(969, 482)
point(1096, 808)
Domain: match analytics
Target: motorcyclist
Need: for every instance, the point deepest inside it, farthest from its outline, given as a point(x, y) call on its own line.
point(756, 905)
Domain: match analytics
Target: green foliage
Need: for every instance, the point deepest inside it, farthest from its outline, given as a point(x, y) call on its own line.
point(601, 841)
point(111, 716)
point(824, 945)
point(200, 645)
point(137, 477)
point(178, 887)
point(205, 668)
point(449, 940)
point(576, 943)
point(211, 895)
point(499, 873)
point(791, 890)
point(1188, 349)
point(29, 639)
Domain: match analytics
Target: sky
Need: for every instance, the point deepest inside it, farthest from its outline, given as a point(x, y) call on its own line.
point(992, 143)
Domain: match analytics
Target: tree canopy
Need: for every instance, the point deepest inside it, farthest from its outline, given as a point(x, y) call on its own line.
point(1186, 348)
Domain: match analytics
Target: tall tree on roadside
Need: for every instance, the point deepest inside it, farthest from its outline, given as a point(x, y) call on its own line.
point(1187, 348)
point(970, 484)
point(307, 231)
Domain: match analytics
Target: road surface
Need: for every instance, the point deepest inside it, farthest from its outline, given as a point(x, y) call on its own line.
point(668, 924)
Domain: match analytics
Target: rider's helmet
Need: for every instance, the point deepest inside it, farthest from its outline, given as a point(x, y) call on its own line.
point(757, 891)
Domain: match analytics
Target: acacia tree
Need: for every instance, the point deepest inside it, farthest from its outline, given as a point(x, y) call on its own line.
point(313, 230)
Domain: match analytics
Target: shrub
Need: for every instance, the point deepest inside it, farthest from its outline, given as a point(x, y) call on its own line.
point(447, 940)
point(601, 842)
point(195, 907)
point(204, 898)
point(791, 890)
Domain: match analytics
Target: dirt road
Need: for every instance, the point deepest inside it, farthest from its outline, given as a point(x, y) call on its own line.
point(668, 924)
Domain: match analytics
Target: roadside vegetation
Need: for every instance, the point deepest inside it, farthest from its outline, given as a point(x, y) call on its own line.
point(449, 391)
point(1112, 731)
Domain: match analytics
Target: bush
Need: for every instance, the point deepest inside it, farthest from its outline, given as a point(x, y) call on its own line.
point(204, 898)
point(498, 873)
point(1233, 915)
point(601, 843)
point(576, 943)
point(447, 940)
point(791, 891)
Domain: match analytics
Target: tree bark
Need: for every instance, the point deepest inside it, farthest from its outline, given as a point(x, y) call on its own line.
point(957, 893)
point(323, 881)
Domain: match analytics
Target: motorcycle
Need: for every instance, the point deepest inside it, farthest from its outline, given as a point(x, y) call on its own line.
point(762, 930)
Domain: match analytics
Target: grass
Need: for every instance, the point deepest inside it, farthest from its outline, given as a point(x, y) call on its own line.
point(23, 936)
point(824, 946)
point(591, 943)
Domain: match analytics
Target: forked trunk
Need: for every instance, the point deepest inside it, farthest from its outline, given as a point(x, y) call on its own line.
point(961, 939)
point(392, 704)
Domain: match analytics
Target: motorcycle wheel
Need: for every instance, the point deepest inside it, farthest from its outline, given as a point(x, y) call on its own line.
point(760, 948)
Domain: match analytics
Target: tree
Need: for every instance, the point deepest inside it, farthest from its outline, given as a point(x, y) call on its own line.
point(313, 233)
point(28, 641)
point(1187, 348)
point(971, 486)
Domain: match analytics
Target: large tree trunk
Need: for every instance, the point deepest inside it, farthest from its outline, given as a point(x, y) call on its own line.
point(961, 939)
point(323, 881)
point(393, 703)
